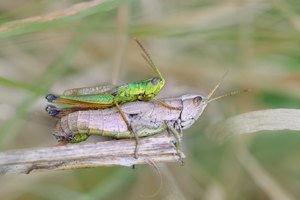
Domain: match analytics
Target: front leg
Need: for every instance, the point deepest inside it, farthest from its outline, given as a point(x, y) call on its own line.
point(177, 136)
point(166, 105)
point(145, 128)
point(152, 98)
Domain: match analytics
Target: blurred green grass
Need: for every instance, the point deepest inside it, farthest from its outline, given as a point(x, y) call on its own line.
point(194, 43)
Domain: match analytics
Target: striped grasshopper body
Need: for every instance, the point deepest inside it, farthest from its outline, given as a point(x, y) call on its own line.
point(146, 118)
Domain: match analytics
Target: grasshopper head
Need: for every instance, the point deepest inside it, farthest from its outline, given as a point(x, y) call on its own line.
point(154, 86)
point(193, 107)
point(143, 90)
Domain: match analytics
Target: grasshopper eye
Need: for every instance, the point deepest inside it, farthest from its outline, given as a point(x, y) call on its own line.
point(197, 100)
point(155, 80)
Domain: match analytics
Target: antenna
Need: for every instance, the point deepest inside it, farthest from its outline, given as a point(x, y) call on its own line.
point(147, 57)
point(224, 95)
point(228, 95)
point(218, 85)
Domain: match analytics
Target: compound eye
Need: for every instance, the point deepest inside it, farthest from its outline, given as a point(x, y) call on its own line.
point(197, 100)
point(155, 80)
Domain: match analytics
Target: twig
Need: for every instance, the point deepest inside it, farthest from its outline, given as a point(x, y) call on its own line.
point(262, 120)
point(71, 11)
point(100, 154)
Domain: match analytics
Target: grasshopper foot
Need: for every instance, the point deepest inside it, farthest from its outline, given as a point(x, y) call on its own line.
point(52, 110)
point(51, 97)
point(181, 157)
point(179, 153)
point(70, 138)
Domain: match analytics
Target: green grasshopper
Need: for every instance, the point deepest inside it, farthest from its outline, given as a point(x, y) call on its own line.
point(101, 97)
point(147, 118)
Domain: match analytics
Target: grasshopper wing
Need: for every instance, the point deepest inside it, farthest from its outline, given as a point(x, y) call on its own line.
point(91, 100)
point(92, 97)
point(98, 89)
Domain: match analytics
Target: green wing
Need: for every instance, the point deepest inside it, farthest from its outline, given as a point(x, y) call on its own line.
point(79, 102)
point(90, 100)
point(98, 89)
point(85, 97)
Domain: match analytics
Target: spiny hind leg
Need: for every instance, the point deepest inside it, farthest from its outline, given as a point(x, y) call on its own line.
point(130, 129)
point(177, 136)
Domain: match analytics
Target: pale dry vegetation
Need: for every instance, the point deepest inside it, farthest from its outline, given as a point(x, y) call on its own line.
point(55, 45)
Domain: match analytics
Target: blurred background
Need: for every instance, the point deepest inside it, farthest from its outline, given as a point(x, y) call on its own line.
point(50, 46)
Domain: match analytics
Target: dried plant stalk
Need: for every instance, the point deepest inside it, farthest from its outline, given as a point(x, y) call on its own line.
point(262, 120)
point(55, 15)
point(100, 154)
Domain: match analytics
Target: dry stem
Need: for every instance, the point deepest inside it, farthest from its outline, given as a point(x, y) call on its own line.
point(55, 15)
point(100, 154)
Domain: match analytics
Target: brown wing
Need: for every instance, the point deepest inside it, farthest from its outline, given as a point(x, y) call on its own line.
point(59, 112)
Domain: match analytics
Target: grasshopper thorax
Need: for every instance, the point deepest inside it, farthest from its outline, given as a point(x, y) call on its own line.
point(141, 90)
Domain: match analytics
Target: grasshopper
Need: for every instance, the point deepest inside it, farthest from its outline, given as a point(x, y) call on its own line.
point(146, 118)
point(101, 97)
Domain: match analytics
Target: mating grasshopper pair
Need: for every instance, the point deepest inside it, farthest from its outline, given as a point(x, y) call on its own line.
point(146, 118)
point(101, 97)
point(96, 110)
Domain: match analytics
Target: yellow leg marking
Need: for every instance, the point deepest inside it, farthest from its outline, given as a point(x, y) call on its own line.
point(130, 129)
point(166, 105)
